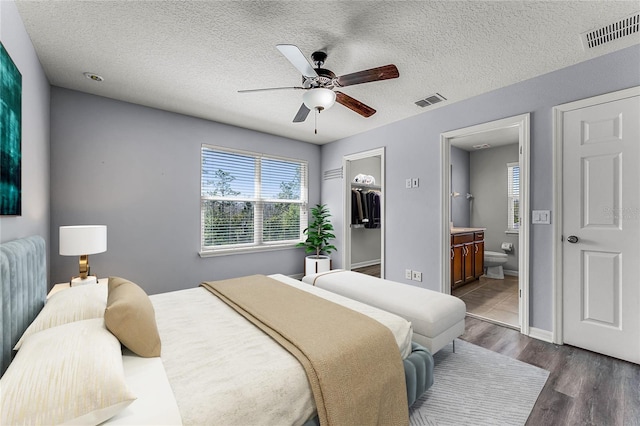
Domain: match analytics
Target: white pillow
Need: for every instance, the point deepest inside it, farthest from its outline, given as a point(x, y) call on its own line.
point(69, 374)
point(73, 304)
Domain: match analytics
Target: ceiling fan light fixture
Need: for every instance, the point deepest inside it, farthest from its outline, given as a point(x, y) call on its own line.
point(319, 99)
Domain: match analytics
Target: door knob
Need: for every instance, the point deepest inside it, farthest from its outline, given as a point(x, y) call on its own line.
point(572, 239)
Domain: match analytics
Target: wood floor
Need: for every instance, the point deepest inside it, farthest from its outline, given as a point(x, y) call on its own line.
point(496, 300)
point(584, 388)
point(373, 270)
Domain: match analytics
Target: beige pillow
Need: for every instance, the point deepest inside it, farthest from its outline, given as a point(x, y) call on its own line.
point(131, 318)
point(73, 304)
point(70, 374)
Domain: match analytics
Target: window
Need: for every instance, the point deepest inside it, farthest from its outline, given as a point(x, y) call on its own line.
point(513, 197)
point(250, 201)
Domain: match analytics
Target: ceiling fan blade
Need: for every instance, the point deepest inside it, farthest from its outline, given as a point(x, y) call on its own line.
point(297, 59)
point(374, 74)
point(270, 88)
point(354, 105)
point(302, 114)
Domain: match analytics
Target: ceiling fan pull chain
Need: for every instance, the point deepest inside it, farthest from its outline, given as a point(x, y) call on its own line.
point(315, 115)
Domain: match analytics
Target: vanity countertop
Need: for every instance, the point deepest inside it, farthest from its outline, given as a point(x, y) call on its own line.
point(455, 231)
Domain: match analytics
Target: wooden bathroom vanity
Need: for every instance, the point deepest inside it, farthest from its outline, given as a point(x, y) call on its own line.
point(467, 255)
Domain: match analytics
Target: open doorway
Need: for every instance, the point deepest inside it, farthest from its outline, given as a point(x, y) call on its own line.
point(485, 222)
point(364, 212)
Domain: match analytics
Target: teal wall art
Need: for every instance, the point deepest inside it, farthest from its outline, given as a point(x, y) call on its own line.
point(10, 136)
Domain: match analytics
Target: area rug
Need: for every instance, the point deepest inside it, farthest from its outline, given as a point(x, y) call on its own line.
point(475, 386)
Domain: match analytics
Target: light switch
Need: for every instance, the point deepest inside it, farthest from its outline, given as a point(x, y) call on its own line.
point(541, 217)
point(415, 182)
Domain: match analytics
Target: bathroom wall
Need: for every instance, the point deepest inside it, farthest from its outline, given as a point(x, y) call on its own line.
point(489, 206)
point(365, 242)
point(460, 214)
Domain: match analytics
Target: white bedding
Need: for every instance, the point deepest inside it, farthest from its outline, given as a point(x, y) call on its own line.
point(155, 404)
point(223, 370)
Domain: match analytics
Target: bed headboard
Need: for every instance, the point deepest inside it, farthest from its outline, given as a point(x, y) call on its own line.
point(23, 286)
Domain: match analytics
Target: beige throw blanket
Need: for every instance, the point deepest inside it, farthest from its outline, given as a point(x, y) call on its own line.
point(352, 361)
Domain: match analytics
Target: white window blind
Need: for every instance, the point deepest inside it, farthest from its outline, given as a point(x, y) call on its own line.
point(513, 196)
point(251, 201)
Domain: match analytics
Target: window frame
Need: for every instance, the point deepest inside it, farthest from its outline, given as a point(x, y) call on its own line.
point(258, 244)
point(513, 227)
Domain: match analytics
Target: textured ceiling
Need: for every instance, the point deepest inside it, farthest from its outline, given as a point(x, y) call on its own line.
point(192, 57)
point(495, 138)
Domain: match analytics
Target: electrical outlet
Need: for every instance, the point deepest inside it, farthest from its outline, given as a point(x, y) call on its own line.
point(415, 183)
point(407, 183)
point(407, 274)
point(416, 276)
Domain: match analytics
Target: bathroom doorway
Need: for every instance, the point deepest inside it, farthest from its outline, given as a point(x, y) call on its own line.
point(485, 196)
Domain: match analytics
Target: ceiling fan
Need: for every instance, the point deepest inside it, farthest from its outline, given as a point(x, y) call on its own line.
point(319, 83)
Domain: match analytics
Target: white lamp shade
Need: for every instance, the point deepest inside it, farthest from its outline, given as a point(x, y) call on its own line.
point(84, 239)
point(320, 98)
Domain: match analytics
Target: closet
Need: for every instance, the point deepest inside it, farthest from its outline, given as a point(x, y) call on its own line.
point(365, 205)
point(364, 211)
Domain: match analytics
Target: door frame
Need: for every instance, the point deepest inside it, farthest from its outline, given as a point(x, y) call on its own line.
point(346, 212)
point(558, 144)
point(522, 122)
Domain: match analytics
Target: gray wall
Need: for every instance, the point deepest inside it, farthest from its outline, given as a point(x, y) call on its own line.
point(137, 170)
point(35, 131)
point(413, 216)
point(460, 213)
point(488, 183)
point(366, 244)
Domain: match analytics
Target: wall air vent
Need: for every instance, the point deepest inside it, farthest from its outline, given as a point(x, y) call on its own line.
point(333, 174)
point(621, 28)
point(430, 100)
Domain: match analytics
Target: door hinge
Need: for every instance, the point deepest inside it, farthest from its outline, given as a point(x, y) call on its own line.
point(520, 291)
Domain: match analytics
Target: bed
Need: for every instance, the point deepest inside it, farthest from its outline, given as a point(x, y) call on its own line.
point(172, 388)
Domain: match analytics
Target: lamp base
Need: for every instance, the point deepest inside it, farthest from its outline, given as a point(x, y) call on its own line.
point(91, 279)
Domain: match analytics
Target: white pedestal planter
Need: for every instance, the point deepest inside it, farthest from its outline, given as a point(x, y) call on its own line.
point(314, 265)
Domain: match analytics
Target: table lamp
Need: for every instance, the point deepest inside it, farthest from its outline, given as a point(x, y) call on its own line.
point(82, 241)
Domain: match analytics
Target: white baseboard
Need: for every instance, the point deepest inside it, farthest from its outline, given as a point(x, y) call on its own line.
point(510, 272)
point(540, 334)
point(365, 263)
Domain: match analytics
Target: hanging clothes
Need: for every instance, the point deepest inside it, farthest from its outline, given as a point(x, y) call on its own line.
point(356, 207)
point(373, 206)
point(365, 208)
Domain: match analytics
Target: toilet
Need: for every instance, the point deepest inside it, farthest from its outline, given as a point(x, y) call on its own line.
point(493, 261)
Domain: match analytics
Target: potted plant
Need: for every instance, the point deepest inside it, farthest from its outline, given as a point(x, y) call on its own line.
point(319, 232)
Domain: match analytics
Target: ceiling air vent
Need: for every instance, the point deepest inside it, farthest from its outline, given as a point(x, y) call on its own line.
point(482, 146)
point(622, 28)
point(430, 100)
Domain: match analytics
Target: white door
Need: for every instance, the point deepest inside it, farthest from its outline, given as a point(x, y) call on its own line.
point(601, 228)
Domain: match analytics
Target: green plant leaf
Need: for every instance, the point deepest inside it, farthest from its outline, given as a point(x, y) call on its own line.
point(318, 235)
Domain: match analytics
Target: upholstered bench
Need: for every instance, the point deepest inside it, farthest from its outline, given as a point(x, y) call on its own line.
point(418, 372)
point(437, 318)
